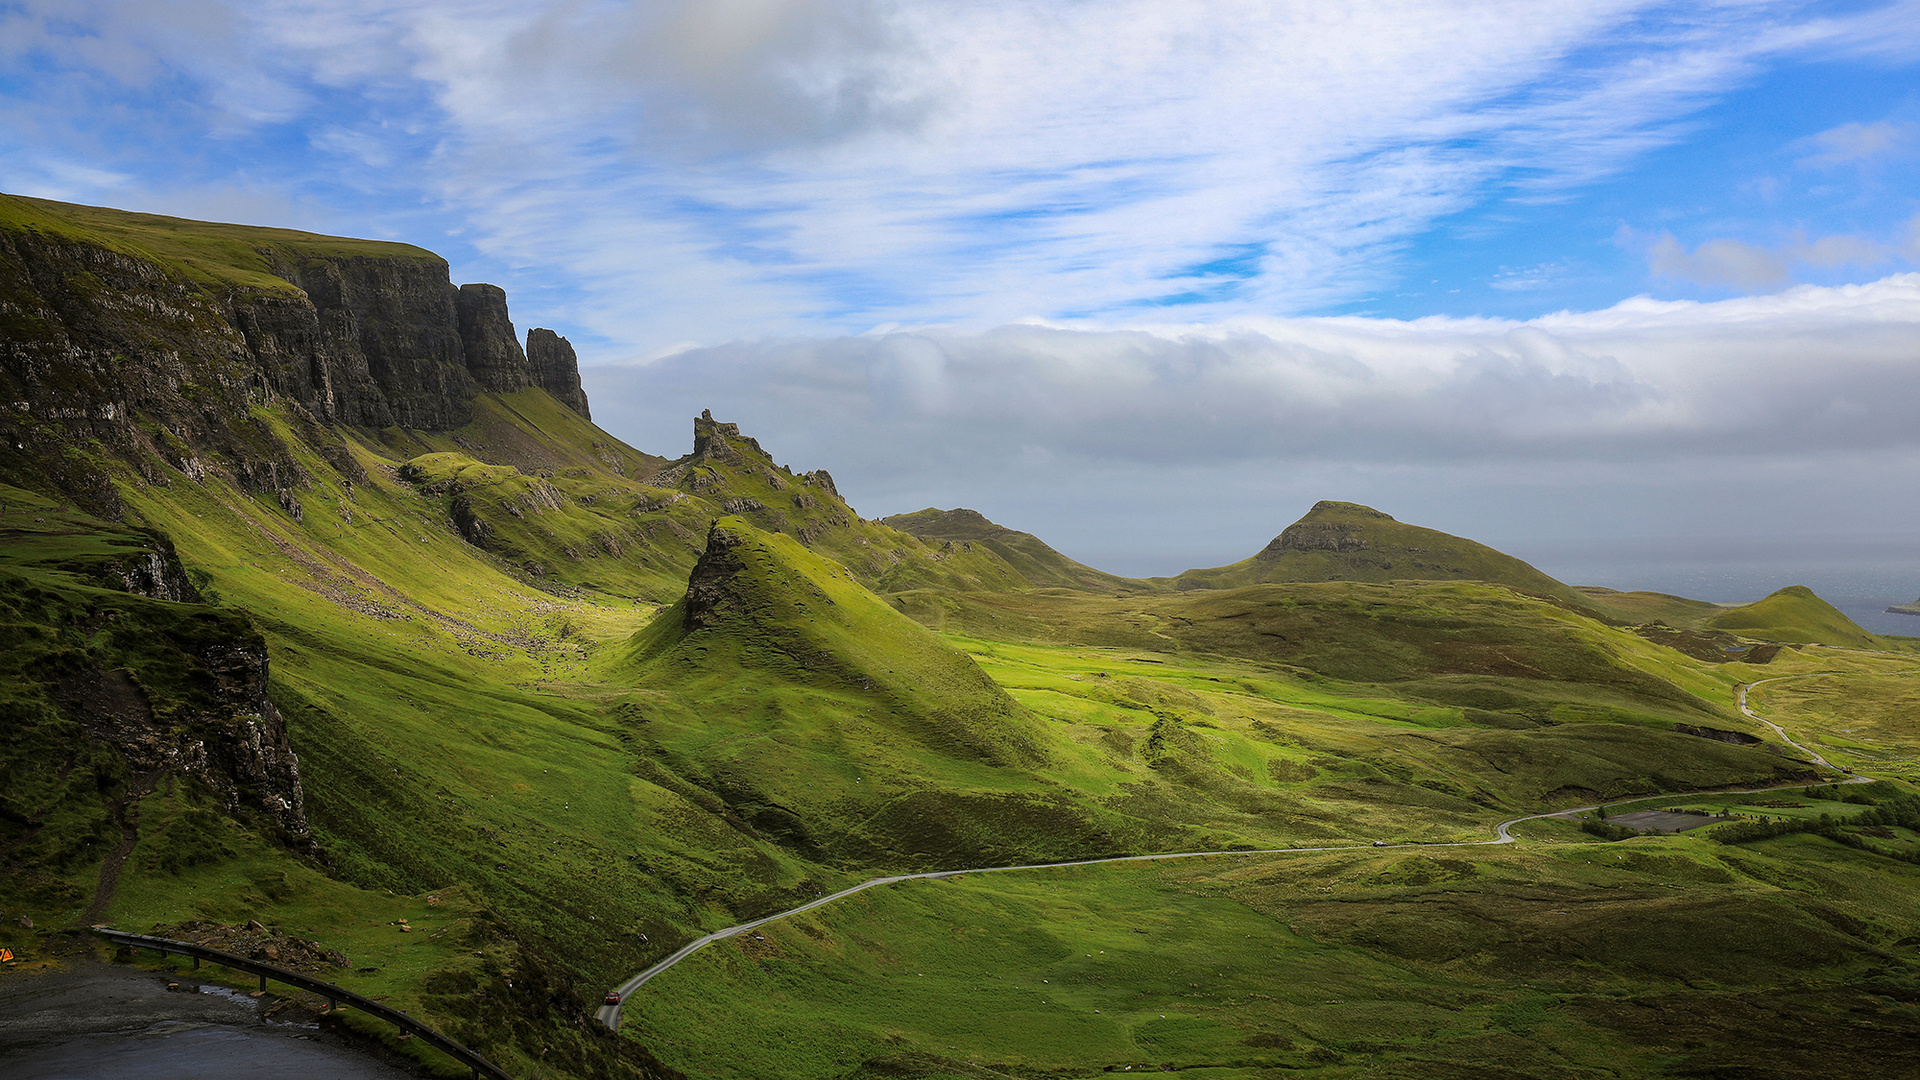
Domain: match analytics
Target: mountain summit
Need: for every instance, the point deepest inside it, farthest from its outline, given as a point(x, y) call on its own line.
point(1342, 541)
point(1039, 564)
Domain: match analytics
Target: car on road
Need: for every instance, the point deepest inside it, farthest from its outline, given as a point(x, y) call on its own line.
point(613, 997)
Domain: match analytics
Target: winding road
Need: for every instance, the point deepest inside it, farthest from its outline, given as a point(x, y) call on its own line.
point(610, 1014)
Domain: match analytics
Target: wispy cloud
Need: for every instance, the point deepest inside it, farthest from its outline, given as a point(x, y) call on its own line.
point(703, 169)
point(1852, 143)
point(696, 171)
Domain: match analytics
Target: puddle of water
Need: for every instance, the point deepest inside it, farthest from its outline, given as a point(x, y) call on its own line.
point(241, 997)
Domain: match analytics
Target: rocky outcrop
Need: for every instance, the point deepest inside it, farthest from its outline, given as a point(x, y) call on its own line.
point(1736, 738)
point(493, 356)
point(555, 369)
point(1308, 534)
point(231, 738)
point(96, 336)
point(710, 586)
point(156, 574)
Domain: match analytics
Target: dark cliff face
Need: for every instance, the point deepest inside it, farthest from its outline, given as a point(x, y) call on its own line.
point(391, 322)
point(103, 341)
point(493, 357)
point(555, 369)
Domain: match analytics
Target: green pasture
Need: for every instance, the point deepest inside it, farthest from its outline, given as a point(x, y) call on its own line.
point(1411, 963)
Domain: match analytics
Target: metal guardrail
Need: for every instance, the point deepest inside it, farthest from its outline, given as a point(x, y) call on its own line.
point(336, 996)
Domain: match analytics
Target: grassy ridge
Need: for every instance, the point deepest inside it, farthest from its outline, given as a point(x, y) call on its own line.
point(204, 252)
point(1027, 554)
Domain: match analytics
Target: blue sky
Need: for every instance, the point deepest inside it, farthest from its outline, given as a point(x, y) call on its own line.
point(1476, 262)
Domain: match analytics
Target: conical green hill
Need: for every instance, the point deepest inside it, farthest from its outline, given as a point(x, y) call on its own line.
point(1038, 563)
point(763, 612)
point(1339, 541)
point(1795, 615)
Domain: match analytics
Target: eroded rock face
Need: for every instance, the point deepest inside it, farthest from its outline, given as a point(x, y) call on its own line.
point(1308, 534)
point(710, 586)
point(493, 356)
point(235, 743)
point(1316, 536)
point(99, 344)
point(555, 368)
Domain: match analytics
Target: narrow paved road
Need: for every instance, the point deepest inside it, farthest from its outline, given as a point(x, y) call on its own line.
point(1777, 729)
point(610, 1014)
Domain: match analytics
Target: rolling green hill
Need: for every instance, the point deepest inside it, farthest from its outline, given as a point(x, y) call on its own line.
point(1039, 564)
point(1647, 607)
point(761, 610)
point(1794, 614)
point(1338, 541)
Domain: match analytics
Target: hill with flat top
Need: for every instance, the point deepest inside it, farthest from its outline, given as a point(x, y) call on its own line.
point(1036, 563)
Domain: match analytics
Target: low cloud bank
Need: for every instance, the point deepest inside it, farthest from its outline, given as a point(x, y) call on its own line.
point(1806, 370)
point(1790, 412)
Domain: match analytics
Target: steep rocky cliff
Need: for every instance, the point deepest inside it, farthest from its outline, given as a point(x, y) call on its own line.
point(132, 330)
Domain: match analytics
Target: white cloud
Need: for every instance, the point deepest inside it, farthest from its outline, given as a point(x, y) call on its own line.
point(1126, 440)
point(1718, 262)
point(780, 165)
point(1855, 142)
point(700, 169)
point(1810, 368)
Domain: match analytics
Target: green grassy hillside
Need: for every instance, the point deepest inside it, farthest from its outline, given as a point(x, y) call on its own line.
point(1339, 541)
point(1794, 614)
point(1039, 564)
point(761, 610)
point(554, 497)
point(1473, 962)
point(204, 252)
point(1646, 607)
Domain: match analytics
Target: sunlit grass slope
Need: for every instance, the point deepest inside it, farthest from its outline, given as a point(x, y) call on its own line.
point(1854, 714)
point(207, 253)
point(1795, 614)
point(1646, 607)
point(1339, 541)
point(1568, 959)
point(761, 608)
point(825, 719)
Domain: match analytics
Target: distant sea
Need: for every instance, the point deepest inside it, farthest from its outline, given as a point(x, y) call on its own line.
point(1861, 576)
